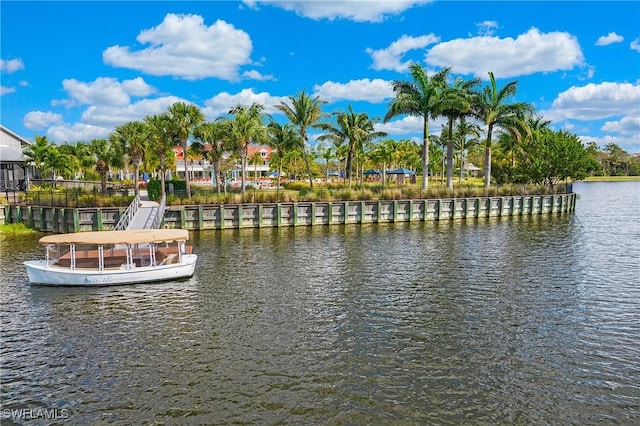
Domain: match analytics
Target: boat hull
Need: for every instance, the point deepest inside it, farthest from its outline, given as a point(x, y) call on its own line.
point(42, 274)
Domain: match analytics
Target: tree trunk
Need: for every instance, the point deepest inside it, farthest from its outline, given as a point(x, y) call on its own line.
point(306, 161)
point(487, 159)
point(450, 156)
point(487, 167)
point(243, 167)
point(186, 170)
point(425, 154)
point(162, 173)
point(136, 186)
point(103, 182)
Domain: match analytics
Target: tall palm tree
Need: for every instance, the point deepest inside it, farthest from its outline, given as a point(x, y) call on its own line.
point(162, 139)
point(255, 160)
point(491, 108)
point(464, 129)
point(246, 127)
point(419, 98)
point(185, 118)
point(303, 112)
point(284, 139)
point(456, 103)
point(212, 146)
point(132, 137)
point(106, 156)
point(327, 153)
point(353, 128)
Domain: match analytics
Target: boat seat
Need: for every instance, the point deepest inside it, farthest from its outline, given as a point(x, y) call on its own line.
point(172, 258)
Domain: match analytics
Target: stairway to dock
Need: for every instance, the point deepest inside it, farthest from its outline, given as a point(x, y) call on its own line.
point(142, 213)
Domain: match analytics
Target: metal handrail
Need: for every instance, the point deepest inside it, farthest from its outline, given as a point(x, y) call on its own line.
point(160, 213)
point(124, 220)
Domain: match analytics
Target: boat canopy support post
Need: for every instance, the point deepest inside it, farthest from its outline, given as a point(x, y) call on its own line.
point(100, 257)
point(72, 254)
point(129, 252)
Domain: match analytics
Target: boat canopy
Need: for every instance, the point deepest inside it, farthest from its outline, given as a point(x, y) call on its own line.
point(118, 237)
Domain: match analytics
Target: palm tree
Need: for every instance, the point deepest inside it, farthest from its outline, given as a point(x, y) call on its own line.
point(255, 160)
point(246, 127)
point(419, 98)
point(58, 162)
point(456, 103)
point(106, 156)
point(354, 129)
point(212, 146)
point(464, 129)
point(303, 112)
point(284, 139)
point(490, 107)
point(36, 154)
point(71, 166)
point(185, 118)
point(161, 141)
point(132, 137)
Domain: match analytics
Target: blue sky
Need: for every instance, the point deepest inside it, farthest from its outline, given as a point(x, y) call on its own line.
point(74, 70)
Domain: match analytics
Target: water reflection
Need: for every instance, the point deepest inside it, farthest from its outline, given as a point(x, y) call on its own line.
point(519, 321)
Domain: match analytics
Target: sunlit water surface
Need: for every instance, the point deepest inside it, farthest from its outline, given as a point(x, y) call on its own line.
point(532, 320)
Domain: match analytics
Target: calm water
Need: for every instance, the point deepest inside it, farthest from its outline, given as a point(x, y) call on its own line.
point(530, 320)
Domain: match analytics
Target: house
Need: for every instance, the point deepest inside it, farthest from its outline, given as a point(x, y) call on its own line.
point(201, 169)
point(260, 167)
point(14, 175)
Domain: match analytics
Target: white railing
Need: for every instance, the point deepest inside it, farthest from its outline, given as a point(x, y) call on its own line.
point(157, 220)
point(129, 213)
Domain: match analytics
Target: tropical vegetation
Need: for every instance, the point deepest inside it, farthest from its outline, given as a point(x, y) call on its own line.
point(484, 126)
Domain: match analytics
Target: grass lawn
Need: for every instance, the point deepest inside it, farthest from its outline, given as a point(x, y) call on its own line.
point(15, 229)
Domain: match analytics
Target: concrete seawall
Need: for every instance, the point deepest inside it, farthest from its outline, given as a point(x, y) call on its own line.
point(233, 216)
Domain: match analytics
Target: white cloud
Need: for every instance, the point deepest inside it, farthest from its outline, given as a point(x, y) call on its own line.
point(410, 125)
point(255, 75)
point(6, 90)
point(609, 39)
point(596, 101)
point(183, 46)
point(486, 28)
point(389, 58)
point(76, 132)
point(98, 121)
point(11, 65)
point(106, 90)
point(110, 116)
point(627, 126)
point(223, 102)
point(358, 11)
point(374, 91)
point(529, 53)
point(635, 45)
point(37, 120)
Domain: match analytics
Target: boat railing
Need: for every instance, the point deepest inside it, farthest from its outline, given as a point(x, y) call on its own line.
point(157, 220)
point(128, 215)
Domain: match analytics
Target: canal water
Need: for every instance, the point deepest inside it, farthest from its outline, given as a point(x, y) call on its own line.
point(519, 321)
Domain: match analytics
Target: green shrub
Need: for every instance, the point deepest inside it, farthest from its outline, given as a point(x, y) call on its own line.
point(296, 186)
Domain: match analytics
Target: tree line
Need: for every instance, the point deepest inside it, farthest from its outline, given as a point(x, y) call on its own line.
point(513, 143)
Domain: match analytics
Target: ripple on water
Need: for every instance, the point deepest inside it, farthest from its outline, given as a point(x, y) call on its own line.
point(510, 321)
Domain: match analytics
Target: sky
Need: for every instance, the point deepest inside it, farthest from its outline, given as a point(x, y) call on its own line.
point(73, 71)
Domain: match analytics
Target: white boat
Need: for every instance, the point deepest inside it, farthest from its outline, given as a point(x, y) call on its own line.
point(113, 258)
